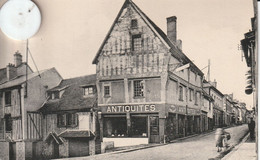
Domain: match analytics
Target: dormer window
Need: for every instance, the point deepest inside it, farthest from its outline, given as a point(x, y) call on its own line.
point(88, 91)
point(54, 95)
point(134, 23)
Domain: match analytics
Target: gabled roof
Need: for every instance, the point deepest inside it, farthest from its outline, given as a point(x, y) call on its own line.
point(72, 98)
point(176, 52)
point(208, 85)
point(3, 72)
point(21, 79)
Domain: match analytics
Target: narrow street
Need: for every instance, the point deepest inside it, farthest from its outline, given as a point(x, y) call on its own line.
point(201, 147)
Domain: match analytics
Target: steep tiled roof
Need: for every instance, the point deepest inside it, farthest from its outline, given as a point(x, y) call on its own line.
point(176, 52)
point(72, 98)
point(20, 79)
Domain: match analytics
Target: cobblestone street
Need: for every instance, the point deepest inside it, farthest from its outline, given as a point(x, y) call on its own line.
point(192, 148)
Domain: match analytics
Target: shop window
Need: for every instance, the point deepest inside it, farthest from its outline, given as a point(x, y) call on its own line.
point(138, 88)
point(139, 126)
point(180, 93)
point(8, 98)
point(136, 42)
point(88, 91)
point(106, 91)
point(67, 120)
point(134, 23)
point(154, 125)
point(115, 127)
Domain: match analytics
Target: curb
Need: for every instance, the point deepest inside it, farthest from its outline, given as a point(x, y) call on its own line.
point(235, 148)
point(160, 144)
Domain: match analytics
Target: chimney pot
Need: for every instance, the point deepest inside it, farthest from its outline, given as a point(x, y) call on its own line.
point(18, 59)
point(172, 28)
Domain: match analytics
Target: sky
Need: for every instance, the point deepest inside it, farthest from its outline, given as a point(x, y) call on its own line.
point(72, 31)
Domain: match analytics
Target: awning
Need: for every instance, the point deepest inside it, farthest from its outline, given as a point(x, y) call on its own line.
point(77, 134)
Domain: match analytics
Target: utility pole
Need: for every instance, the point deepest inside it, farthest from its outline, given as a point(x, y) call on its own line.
point(209, 70)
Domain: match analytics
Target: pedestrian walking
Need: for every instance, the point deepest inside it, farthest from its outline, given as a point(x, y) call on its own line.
point(221, 138)
point(251, 127)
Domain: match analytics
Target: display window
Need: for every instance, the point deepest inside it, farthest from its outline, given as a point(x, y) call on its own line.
point(115, 127)
point(139, 126)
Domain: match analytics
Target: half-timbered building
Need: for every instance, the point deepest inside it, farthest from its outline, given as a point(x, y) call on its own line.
point(149, 91)
point(20, 98)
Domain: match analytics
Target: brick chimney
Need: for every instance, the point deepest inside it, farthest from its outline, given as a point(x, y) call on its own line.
point(172, 28)
point(11, 71)
point(214, 84)
point(18, 59)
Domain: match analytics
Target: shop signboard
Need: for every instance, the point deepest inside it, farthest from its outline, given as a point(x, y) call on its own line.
point(177, 109)
point(137, 108)
point(182, 110)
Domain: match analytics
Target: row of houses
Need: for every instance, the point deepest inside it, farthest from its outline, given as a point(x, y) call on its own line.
point(145, 90)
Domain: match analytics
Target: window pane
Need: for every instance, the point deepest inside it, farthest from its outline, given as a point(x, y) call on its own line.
point(71, 119)
point(106, 90)
point(139, 126)
point(90, 90)
point(137, 42)
point(56, 95)
point(8, 98)
point(8, 123)
point(61, 119)
point(115, 127)
point(134, 23)
point(154, 125)
point(138, 88)
point(180, 93)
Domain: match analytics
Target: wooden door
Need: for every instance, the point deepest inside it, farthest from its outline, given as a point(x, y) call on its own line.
point(154, 129)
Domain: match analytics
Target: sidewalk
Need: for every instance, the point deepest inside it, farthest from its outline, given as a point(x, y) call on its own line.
point(144, 146)
point(244, 151)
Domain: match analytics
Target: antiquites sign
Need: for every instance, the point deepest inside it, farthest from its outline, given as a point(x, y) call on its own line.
point(130, 108)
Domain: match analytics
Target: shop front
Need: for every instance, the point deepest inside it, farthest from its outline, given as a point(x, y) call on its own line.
point(187, 121)
point(130, 124)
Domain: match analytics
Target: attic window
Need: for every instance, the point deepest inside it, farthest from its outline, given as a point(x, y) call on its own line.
point(134, 23)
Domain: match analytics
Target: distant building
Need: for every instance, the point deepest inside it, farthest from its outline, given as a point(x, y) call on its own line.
point(207, 107)
point(218, 108)
point(228, 111)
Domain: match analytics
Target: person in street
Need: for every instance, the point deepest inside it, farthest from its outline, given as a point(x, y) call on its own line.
point(251, 127)
point(221, 137)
